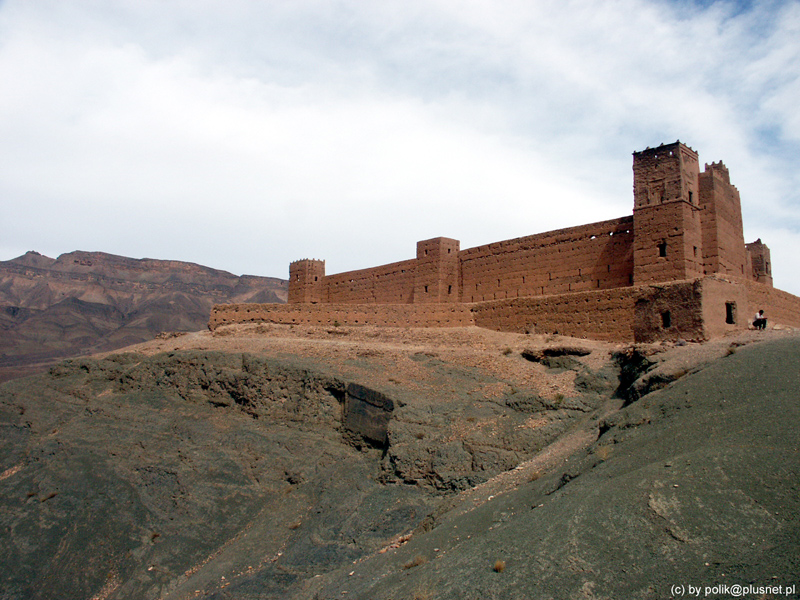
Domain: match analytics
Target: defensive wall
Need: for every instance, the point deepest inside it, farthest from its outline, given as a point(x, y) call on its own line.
point(677, 268)
point(696, 309)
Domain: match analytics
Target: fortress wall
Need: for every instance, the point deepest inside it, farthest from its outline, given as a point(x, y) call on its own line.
point(588, 257)
point(725, 306)
point(669, 311)
point(601, 314)
point(386, 284)
point(779, 307)
point(382, 315)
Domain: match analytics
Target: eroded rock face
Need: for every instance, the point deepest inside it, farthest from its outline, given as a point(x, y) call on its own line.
point(130, 474)
point(366, 414)
point(157, 476)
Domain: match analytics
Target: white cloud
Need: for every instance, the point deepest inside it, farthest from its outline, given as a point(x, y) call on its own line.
point(244, 135)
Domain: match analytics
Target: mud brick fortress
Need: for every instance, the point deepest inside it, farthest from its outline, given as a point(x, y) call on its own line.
point(678, 268)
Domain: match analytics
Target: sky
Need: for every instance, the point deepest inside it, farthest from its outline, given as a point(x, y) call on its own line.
point(246, 134)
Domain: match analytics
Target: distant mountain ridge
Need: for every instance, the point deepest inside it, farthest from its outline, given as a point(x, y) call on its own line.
point(85, 302)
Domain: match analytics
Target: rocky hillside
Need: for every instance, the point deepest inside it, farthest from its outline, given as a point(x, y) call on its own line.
point(279, 462)
point(86, 302)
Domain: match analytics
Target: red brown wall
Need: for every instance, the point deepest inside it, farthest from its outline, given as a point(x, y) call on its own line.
point(382, 315)
point(779, 307)
point(387, 284)
point(589, 257)
point(601, 315)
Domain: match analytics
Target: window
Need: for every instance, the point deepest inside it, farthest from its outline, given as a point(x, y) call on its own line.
point(666, 319)
point(662, 249)
point(730, 313)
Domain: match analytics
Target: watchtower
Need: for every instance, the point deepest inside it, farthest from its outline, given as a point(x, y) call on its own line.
point(436, 271)
point(759, 261)
point(721, 221)
point(306, 281)
point(666, 222)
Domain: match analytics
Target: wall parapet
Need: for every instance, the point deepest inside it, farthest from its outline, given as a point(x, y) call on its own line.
point(381, 315)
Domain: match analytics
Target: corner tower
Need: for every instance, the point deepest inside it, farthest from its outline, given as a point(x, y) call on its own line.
point(306, 281)
point(668, 238)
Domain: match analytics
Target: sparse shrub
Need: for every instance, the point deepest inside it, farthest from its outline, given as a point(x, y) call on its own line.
point(534, 476)
point(470, 419)
point(731, 350)
point(336, 324)
point(499, 566)
point(558, 399)
point(418, 560)
point(295, 524)
point(419, 435)
point(507, 351)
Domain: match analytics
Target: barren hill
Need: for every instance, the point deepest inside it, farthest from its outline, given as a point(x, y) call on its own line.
point(84, 302)
point(281, 462)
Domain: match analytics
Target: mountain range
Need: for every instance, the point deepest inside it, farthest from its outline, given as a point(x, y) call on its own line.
point(85, 302)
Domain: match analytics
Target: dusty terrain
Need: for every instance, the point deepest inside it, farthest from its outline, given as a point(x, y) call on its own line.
point(270, 461)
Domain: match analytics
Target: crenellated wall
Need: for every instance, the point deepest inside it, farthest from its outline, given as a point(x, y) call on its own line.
point(676, 268)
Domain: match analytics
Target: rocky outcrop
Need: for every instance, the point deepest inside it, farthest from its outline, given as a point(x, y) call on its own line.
point(224, 475)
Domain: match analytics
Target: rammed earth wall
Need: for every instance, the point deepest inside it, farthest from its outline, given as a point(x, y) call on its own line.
point(678, 268)
point(695, 309)
point(577, 259)
point(381, 315)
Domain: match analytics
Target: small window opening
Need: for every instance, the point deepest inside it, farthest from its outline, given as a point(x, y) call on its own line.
point(730, 313)
point(426, 289)
point(691, 198)
point(449, 289)
point(695, 251)
point(666, 319)
point(662, 249)
point(315, 278)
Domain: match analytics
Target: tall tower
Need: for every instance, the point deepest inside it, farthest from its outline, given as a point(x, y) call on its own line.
point(721, 221)
point(306, 281)
point(666, 222)
point(436, 274)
